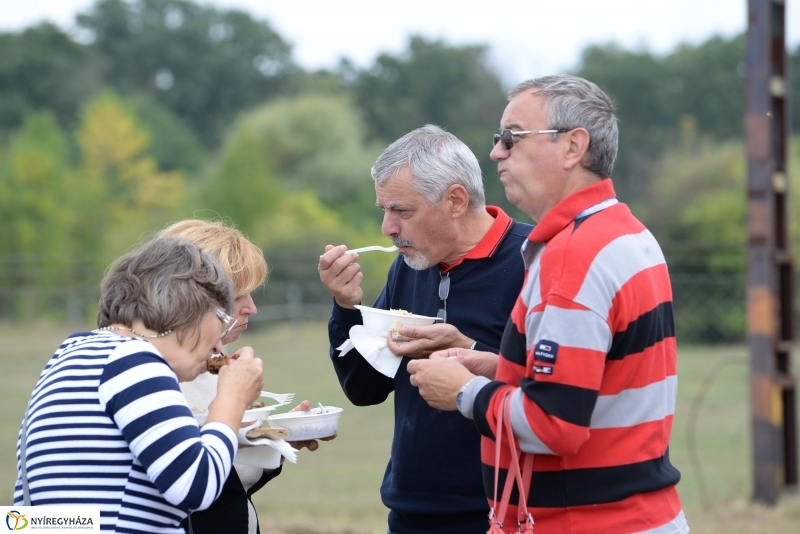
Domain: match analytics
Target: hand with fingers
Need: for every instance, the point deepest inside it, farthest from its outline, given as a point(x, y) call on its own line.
point(439, 380)
point(479, 363)
point(341, 275)
point(310, 444)
point(427, 339)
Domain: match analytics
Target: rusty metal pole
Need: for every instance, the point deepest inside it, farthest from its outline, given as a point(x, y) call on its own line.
point(769, 262)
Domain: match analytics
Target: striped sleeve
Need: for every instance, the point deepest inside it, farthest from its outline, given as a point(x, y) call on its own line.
point(140, 392)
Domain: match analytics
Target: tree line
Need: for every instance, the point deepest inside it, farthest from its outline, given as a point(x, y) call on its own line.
point(156, 110)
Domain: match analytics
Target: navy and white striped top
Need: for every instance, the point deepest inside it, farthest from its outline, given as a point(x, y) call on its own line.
point(108, 426)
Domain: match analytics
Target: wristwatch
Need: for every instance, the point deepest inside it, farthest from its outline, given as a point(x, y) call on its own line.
point(460, 394)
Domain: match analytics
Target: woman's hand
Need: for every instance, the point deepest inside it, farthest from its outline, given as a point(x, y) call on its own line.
point(239, 385)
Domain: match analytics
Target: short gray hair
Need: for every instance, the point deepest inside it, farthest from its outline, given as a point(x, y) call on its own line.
point(573, 102)
point(436, 159)
point(168, 283)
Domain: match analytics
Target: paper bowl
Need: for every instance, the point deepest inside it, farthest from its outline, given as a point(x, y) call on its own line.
point(313, 424)
point(383, 321)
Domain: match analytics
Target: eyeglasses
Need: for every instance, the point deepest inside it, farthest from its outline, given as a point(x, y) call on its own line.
point(228, 321)
point(507, 136)
point(444, 290)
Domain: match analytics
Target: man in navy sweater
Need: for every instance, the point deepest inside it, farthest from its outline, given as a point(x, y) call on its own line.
point(429, 185)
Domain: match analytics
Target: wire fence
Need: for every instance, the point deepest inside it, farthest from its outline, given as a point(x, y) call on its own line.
point(708, 283)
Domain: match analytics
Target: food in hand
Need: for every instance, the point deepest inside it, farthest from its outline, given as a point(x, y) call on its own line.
point(269, 432)
point(396, 332)
point(215, 363)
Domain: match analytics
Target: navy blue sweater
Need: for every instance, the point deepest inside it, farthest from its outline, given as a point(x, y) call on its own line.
point(433, 481)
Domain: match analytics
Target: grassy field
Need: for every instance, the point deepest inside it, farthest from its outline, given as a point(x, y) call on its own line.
point(335, 489)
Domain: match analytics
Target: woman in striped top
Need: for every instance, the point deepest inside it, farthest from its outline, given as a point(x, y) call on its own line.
point(107, 425)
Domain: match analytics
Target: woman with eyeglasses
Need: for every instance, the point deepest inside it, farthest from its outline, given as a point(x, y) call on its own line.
point(107, 425)
point(233, 512)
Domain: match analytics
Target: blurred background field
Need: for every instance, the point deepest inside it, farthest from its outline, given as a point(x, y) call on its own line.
point(335, 489)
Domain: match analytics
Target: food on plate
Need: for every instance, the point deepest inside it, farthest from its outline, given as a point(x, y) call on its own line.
point(399, 311)
point(215, 363)
point(256, 405)
point(269, 432)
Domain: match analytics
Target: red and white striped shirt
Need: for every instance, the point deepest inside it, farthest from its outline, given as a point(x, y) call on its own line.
point(589, 357)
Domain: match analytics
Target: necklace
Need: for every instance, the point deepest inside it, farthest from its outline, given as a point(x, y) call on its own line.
point(162, 334)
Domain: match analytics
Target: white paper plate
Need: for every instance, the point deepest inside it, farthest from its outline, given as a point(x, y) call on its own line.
point(382, 321)
point(313, 424)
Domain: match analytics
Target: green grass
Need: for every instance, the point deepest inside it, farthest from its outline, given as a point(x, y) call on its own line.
point(721, 426)
point(335, 489)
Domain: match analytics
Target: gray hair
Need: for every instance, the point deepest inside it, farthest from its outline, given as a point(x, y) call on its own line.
point(573, 102)
point(168, 283)
point(436, 159)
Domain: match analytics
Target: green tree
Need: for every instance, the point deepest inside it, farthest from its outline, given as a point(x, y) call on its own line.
point(34, 167)
point(119, 190)
point(173, 145)
point(311, 142)
point(242, 185)
point(204, 64)
point(294, 175)
point(43, 68)
point(653, 95)
point(698, 212)
point(316, 141)
point(706, 82)
point(431, 82)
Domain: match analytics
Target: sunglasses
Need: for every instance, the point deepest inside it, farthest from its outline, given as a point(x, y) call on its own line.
point(507, 136)
point(227, 321)
point(444, 291)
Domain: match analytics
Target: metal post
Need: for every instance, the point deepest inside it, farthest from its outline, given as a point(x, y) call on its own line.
point(769, 262)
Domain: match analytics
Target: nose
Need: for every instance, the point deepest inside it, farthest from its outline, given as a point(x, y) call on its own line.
point(246, 306)
point(499, 152)
point(217, 347)
point(389, 226)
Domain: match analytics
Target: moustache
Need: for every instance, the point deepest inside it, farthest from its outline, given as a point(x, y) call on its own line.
point(400, 242)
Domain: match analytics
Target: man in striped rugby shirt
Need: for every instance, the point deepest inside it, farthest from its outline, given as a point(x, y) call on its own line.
point(588, 357)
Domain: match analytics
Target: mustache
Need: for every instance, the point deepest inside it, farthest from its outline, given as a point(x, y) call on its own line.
point(400, 242)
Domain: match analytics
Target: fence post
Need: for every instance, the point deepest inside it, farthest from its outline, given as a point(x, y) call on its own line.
point(769, 262)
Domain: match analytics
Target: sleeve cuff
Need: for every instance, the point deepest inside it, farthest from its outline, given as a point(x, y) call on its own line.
point(471, 391)
point(347, 316)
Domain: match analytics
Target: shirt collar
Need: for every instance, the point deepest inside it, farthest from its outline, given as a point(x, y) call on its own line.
point(563, 213)
point(487, 246)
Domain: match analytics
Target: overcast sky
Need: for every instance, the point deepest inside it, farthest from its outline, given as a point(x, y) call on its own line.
point(527, 38)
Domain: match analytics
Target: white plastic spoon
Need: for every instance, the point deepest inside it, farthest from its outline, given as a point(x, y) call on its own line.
point(373, 247)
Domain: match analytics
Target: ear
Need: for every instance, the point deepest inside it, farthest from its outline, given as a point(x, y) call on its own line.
point(577, 145)
point(457, 200)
